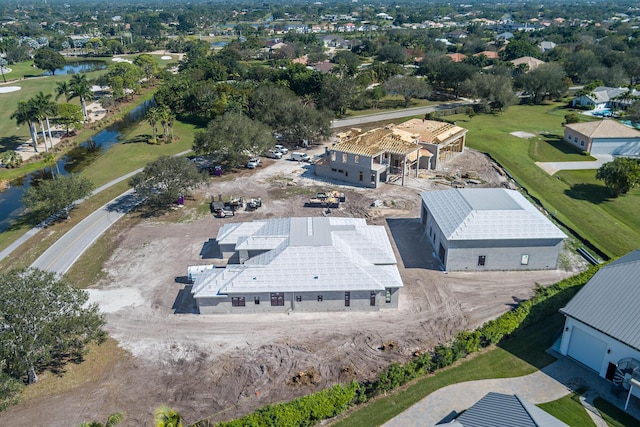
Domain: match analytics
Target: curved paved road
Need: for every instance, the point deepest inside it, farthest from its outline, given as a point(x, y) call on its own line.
point(551, 383)
point(62, 254)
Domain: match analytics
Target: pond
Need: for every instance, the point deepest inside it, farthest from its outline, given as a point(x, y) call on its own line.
point(73, 162)
point(79, 67)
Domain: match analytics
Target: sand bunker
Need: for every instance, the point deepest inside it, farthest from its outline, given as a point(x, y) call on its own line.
point(7, 89)
point(523, 134)
point(166, 57)
point(122, 60)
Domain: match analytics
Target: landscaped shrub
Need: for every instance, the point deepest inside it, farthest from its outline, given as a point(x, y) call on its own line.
point(311, 409)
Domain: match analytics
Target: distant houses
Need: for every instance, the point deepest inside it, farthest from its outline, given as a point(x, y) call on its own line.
point(603, 97)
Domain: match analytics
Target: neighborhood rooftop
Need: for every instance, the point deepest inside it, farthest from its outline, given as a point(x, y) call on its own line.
point(488, 213)
point(609, 301)
point(302, 255)
point(604, 129)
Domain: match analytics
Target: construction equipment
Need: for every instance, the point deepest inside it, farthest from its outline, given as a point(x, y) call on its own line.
point(253, 204)
point(330, 199)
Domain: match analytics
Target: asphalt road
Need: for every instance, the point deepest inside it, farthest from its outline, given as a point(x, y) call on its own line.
point(61, 255)
point(391, 115)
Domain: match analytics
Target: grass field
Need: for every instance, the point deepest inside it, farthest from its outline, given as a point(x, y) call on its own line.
point(390, 102)
point(569, 410)
point(576, 198)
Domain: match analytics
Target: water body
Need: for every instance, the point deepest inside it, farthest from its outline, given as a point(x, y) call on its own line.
point(73, 162)
point(79, 67)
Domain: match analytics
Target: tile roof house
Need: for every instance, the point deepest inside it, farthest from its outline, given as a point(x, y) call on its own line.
point(300, 264)
point(602, 323)
point(503, 410)
point(489, 229)
point(529, 61)
point(604, 137)
point(604, 97)
point(370, 158)
point(490, 54)
point(457, 57)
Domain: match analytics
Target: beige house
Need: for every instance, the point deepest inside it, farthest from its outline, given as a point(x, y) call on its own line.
point(603, 137)
point(531, 62)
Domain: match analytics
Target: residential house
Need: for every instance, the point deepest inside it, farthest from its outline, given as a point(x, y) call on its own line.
point(603, 98)
point(603, 137)
point(300, 264)
point(490, 54)
point(457, 57)
point(370, 158)
point(504, 410)
point(479, 229)
point(528, 62)
point(546, 46)
point(601, 323)
point(439, 141)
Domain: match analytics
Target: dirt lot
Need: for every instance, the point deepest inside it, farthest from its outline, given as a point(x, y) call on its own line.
point(223, 366)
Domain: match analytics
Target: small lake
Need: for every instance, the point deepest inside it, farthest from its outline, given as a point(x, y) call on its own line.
point(79, 67)
point(73, 162)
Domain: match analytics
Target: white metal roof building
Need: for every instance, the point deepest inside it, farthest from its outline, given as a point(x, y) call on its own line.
point(313, 264)
point(602, 325)
point(489, 229)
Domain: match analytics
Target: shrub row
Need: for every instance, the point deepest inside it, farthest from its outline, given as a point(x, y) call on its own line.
point(434, 115)
point(311, 409)
point(303, 411)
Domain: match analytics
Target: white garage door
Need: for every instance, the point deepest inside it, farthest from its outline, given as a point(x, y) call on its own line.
point(586, 349)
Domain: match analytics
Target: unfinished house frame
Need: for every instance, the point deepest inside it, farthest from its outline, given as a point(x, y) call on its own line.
point(372, 157)
point(439, 141)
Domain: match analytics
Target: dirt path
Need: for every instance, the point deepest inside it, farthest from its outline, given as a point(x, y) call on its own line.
point(227, 365)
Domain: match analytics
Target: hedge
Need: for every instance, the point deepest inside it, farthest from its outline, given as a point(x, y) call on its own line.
point(310, 410)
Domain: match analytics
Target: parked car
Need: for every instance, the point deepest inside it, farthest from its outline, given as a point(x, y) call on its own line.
point(253, 163)
point(273, 154)
point(300, 157)
point(281, 148)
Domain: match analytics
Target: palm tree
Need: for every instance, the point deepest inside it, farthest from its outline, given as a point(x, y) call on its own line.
point(166, 119)
point(112, 421)
point(153, 116)
point(64, 88)
point(80, 88)
point(167, 417)
point(44, 108)
point(3, 63)
point(25, 114)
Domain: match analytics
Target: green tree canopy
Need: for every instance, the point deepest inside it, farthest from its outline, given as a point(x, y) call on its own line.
point(48, 59)
point(519, 48)
point(70, 116)
point(495, 91)
point(164, 180)
point(620, 176)
point(53, 196)
point(408, 87)
point(232, 138)
point(548, 81)
point(43, 319)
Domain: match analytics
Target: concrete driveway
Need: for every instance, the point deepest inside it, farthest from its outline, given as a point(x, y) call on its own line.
point(553, 167)
point(551, 383)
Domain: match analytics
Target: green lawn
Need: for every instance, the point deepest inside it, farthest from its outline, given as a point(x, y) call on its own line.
point(611, 225)
point(614, 416)
point(11, 135)
point(569, 410)
point(520, 355)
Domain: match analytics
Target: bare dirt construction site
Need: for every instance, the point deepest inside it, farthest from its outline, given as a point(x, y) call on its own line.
point(224, 366)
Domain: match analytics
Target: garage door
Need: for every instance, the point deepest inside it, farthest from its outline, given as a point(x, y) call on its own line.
point(586, 349)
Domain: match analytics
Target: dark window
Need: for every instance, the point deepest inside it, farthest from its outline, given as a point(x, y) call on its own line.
point(334, 170)
point(440, 252)
point(319, 298)
point(372, 299)
point(387, 296)
point(346, 173)
point(481, 260)
point(361, 176)
point(256, 300)
point(347, 299)
point(277, 299)
point(373, 178)
point(298, 298)
point(237, 301)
